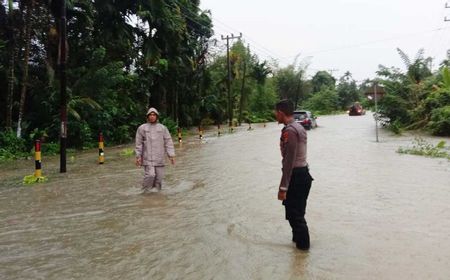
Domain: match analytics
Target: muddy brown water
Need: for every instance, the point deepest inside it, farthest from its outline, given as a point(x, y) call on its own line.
point(372, 213)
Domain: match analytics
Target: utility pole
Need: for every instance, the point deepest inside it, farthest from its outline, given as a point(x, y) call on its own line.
point(375, 92)
point(230, 106)
point(63, 80)
point(376, 110)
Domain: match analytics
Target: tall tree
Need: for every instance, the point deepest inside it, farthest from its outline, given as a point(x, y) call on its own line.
point(416, 71)
point(28, 7)
point(291, 83)
point(323, 79)
point(347, 90)
point(11, 37)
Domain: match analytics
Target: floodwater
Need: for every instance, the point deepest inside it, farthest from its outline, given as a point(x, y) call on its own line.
point(372, 213)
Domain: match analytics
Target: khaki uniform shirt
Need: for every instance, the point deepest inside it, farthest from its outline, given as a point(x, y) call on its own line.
point(293, 150)
point(153, 143)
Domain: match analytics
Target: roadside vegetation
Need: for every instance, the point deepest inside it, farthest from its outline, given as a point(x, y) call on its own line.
point(423, 148)
point(127, 56)
point(416, 98)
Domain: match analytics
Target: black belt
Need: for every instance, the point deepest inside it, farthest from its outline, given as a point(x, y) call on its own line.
point(299, 169)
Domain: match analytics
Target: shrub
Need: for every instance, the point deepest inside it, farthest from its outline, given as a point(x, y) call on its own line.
point(440, 121)
point(170, 124)
point(423, 148)
point(395, 109)
point(396, 127)
point(324, 102)
point(11, 146)
point(122, 134)
point(79, 134)
point(49, 149)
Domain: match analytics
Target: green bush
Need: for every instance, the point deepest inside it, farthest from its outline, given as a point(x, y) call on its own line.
point(437, 99)
point(260, 117)
point(122, 134)
point(396, 127)
point(11, 146)
point(268, 115)
point(395, 109)
point(170, 124)
point(440, 121)
point(255, 119)
point(323, 102)
point(49, 149)
point(79, 134)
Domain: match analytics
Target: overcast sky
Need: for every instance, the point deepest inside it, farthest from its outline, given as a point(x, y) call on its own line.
point(337, 35)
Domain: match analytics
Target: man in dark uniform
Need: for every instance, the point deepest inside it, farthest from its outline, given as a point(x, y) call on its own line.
point(296, 180)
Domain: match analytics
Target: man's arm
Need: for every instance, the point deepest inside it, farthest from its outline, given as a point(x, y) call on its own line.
point(138, 147)
point(168, 143)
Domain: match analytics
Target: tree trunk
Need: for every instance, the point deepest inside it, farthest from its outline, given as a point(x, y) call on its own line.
point(51, 36)
point(297, 95)
point(10, 93)
point(23, 91)
point(11, 79)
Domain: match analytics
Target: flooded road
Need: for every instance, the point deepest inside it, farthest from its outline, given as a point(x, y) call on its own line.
point(372, 213)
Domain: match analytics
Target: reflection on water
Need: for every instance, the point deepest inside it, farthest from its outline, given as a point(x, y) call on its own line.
point(373, 214)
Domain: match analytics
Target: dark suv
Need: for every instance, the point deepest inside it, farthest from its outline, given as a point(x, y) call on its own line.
point(306, 119)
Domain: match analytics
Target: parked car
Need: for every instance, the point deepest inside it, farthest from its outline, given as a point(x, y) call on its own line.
point(306, 119)
point(356, 110)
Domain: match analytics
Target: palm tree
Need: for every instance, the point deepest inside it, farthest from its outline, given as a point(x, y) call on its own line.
point(416, 71)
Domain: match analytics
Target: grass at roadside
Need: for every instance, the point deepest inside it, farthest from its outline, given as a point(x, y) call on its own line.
point(424, 148)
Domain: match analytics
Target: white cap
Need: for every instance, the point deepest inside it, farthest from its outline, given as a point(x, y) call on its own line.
point(152, 110)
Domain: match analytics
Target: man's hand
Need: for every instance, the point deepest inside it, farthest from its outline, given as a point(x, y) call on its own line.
point(172, 160)
point(138, 162)
point(281, 195)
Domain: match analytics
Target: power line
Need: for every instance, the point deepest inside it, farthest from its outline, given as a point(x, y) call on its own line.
point(246, 36)
point(230, 29)
point(183, 8)
point(188, 13)
point(437, 36)
point(275, 56)
point(447, 6)
point(373, 42)
point(256, 45)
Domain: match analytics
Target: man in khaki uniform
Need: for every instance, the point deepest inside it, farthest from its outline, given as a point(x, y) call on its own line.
point(296, 180)
point(153, 143)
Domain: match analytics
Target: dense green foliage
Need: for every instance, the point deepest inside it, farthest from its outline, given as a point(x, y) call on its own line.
point(123, 58)
point(11, 146)
point(323, 102)
point(320, 94)
point(417, 98)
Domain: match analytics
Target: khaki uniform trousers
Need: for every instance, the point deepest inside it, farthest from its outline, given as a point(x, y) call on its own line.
point(153, 177)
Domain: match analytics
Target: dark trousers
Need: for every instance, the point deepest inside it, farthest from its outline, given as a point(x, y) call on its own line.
point(295, 205)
